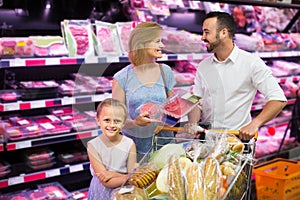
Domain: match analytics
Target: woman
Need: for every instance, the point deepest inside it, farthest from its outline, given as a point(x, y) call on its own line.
point(142, 81)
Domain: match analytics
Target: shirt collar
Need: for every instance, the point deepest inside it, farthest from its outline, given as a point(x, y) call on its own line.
point(232, 57)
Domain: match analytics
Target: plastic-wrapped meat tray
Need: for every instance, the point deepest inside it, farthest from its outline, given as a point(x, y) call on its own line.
point(55, 191)
point(21, 121)
point(63, 111)
point(33, 131)
point(9, 96)
point(37, 194)
point(85, 125)
point(55, 128)
point(20, 195)
point(80, 194)
point(45, 119)
point(4, 169)
point(180, 104)
point(38, 89)
point(70, 157)
point(15, 133)
point(38, 154)
point(41, 166)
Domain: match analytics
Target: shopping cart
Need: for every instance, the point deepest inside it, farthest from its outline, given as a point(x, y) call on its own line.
point(243, 174)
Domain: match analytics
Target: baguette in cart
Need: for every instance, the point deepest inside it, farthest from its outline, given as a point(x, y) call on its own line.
point(215, 167)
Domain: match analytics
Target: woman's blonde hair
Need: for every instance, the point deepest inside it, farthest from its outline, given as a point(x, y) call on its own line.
point(143, 33)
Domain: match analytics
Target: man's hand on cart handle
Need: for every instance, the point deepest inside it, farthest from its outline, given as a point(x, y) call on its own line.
point(248, 132)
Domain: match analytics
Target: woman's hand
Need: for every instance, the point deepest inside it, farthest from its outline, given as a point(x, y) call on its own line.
point(143, 119)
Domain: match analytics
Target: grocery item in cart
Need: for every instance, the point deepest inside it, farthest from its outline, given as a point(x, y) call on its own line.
point(219, 161)
point(128, 193)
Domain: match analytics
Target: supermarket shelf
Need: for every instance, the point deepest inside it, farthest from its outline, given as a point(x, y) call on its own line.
point(25, 178)
point(64, 101)
point(291, 78)
point(45, 103)
point(260, 106)
point(258, 3)
point(27, 62)
point(43, 141)
point(292, 153)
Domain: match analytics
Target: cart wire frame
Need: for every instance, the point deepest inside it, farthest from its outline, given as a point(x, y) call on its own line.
point(246, 165)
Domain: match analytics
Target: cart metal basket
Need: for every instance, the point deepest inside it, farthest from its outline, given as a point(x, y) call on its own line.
point(244, 172)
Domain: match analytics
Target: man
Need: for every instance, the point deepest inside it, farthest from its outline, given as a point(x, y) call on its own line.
point(228, 80)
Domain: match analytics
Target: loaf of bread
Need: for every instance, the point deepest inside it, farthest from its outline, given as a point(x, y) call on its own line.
point(129, 193)
point(194, 183)
point(175, 180)
point(212, 178)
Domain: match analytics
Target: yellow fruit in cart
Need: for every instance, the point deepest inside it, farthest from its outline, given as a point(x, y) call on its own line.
point(162, 180)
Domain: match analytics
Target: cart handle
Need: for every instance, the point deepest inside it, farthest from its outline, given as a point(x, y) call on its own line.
point(181, 129)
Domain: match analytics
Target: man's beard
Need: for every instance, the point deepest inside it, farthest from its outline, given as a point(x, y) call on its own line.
point(213, 45)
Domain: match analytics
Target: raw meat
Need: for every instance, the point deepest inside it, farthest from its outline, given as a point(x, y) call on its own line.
point(151, 108)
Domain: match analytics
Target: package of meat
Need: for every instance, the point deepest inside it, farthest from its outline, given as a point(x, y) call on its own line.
point(15, 133)
point(9, 96)
point(4, 168)
point(55, 128)
point(43, 161)
point(45, 119)
point(41, 166)
point(124, 29)
point(153, 108)
point(75, 156)
point(38, 154)
point(45, 46)
point(75, 117)
point(33, 130)
point(37, 194)
point(63, 111)
point(79, 37)
point(180, 103)
point(16, 47)
point(55, 191)
point(20, 121)
point(80, 194)
point(107, 38)
point(19, 195)
point(38, 89)
point(83, 125)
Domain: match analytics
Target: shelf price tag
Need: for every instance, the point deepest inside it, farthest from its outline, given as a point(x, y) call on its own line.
point(52, 173)
point(76, 168)
point(52, 61)
point(23, 144)
point(67, 100)
point(15, 180)
point(38, 104)
point(98, 97)
point(12, 106)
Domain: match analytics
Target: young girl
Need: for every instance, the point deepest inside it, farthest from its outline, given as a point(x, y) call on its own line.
point(112, 155)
